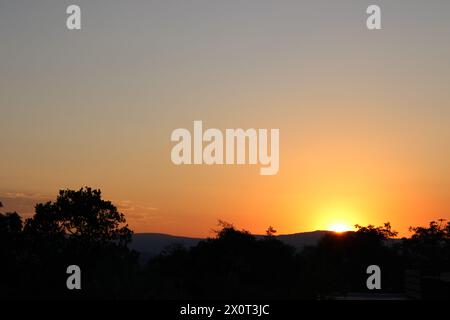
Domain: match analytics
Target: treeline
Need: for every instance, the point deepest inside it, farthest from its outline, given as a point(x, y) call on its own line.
point(80, 228)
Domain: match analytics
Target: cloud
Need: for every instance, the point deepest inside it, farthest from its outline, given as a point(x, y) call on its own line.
point(22, 202)
point(131, 206)
point(135, 211)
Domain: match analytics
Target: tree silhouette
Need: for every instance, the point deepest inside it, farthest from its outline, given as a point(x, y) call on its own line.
point(429, 247)
point(78, 228)
point(233, 264)
point(80, 215)
point(338, 263)
point(381, 233)
point(270, 232)
point(10, 223)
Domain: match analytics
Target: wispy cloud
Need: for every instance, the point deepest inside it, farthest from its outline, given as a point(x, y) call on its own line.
point(132, 206)
point(22, 202)
point(137, 213)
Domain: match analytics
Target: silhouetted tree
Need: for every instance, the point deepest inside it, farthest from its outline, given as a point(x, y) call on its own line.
point(80, 215)
point(78, 228)
point(381, 233)
point(11, 253)
point(233, 264)
point(270, 232)
point(10, 224)
point(429, 247)
point(340, 260)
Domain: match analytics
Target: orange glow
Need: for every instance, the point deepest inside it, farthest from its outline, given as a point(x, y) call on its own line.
point(364, 129)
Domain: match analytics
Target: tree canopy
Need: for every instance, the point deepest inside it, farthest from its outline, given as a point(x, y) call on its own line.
point(81, 215)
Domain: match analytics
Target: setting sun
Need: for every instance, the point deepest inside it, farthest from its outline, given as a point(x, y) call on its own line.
point(340, 215)
point(340, 227)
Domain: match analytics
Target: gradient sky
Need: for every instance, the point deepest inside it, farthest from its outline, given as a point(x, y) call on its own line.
point(364, 116)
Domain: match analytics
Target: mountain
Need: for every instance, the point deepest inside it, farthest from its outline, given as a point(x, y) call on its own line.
point(151, 244)
point(302, 239)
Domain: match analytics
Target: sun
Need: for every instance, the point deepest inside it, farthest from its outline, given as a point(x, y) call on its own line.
point(340, 227)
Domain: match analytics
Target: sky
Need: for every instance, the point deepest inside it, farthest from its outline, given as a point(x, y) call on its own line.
point(364, 116)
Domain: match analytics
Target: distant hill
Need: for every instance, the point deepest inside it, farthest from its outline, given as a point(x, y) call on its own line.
point(303, 239)
point(151, 244)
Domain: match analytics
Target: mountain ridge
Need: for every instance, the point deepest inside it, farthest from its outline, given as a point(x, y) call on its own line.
point(153, 243)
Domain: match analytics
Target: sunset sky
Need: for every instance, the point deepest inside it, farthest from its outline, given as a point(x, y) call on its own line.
point(364, 116)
